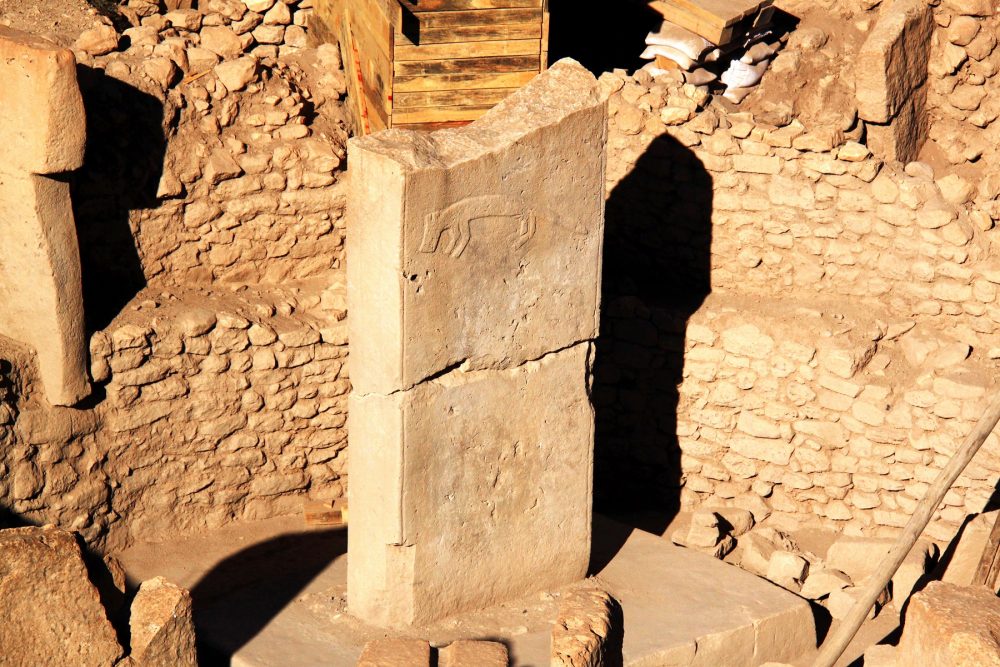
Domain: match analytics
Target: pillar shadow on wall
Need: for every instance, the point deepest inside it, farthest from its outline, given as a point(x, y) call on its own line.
point(658, 237)
point(121, 172)
point(244, 592)
point(599, 34)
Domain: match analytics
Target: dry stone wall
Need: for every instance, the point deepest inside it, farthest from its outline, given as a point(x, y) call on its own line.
point(214, 409)
point(851, 337)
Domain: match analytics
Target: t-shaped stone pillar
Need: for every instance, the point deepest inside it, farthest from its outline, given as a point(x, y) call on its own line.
point(474, 271)
point(42, 132)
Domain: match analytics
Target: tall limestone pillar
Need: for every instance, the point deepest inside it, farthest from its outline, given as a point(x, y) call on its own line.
point(474, 271)
point(42, 136)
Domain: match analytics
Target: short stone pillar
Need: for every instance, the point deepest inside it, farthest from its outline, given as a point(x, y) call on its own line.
point(42, 132)
point(474, 266)
point(891, 80)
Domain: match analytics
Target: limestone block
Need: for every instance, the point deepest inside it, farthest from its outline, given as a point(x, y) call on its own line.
point(162, 629)
point(892, 63)
point(453, 478)
point(968, 549)
point(40, 283)
point(52, 614)
point(41, 127)
point(583, 629)
point(466, 653)
point(479, 246)
point(901, 139)
point(396, 653)
point(951, 626)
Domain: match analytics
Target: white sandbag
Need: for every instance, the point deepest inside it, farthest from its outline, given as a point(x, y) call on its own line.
point(742, 75)
point(700, 77)
point(758, 52)
point(676, 37)
point(667, 52)
point(654, 70)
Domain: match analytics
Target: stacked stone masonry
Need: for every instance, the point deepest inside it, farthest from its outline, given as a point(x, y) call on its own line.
point(850, 339)
point(849, 342)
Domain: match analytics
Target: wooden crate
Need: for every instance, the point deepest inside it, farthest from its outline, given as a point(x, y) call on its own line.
point(423, 64)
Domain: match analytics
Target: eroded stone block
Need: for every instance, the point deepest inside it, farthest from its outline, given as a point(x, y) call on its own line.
point(41, 127)
point(479, 246)
point(396, 653)
point(474, 285)
point(40, 283)
point(52, 614)
point(951, 626)
point(42, 131)
point(162, 629)
point(470, 489)
point(891, 75)
point(466, 653)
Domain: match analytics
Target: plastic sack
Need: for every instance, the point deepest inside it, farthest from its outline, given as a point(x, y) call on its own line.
point(758, 52)
point(680, 39)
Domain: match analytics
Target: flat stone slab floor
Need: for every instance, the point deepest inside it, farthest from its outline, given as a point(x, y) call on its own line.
point(273, 593)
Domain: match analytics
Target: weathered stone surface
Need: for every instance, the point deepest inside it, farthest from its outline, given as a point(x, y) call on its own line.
point(968, 549)
point(951, 626)
point(482, 235)
point(452, 477)
point(892, 63)
point(583, 629)
point(42, 122)
point(52, 614)
point(396, 653)
point(891, 71)
point(162, 629)
point(474, 287)
point(40, 282)
point(42, 131)
point(468, 653)
point(901, 139)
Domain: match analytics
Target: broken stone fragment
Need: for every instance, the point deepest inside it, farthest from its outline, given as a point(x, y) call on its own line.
point(236, 74)
point(821, 582)
point(467, 653)
point(52, 614)
point(583, 630)
point(98, 41)
point(787, 569)
point(396, 653)
point(951, 626)
point(162, 630)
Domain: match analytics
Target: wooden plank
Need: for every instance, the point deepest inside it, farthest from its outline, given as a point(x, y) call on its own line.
point(473, 33)
point(450, 98)
point(413, 84)
point(430, 127)
point(718, 35)
point(986, 573)
point(478, 17)
point(488, 65)
point(438, 114)
point(458, 5)
point(544, 54)
point(517, 47)
point(325, 22)
point(320, 513)
point(719, 13)
point(367, 18)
